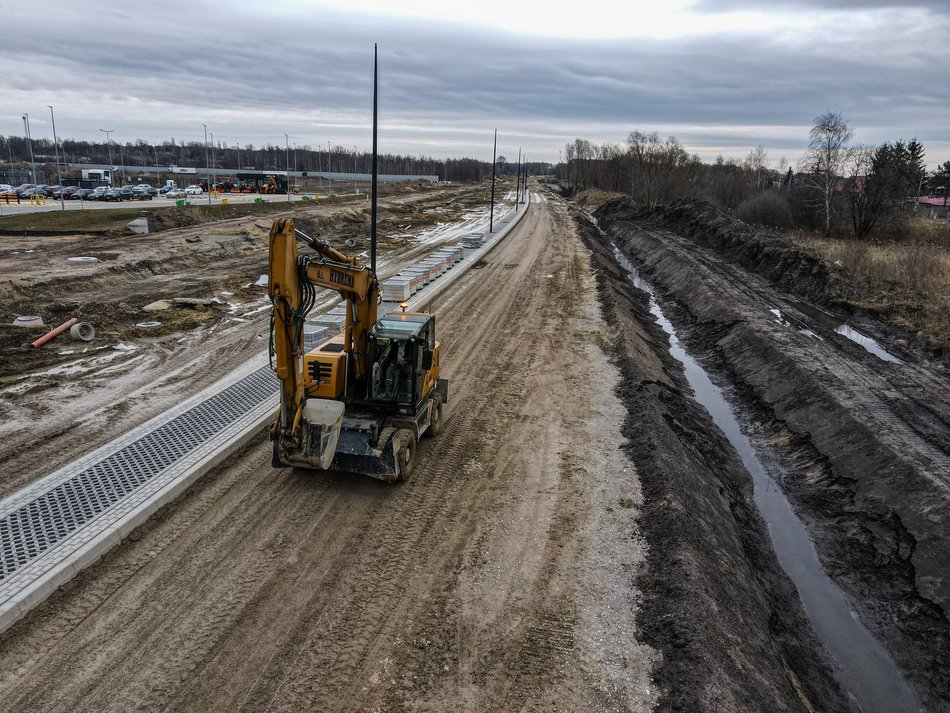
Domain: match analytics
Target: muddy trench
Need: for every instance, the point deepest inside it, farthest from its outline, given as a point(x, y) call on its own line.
point(824, 417)
point(716, 603)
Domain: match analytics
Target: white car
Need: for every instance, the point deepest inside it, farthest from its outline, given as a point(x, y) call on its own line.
point(175, 193)
point(6, 188)
point(193, 191)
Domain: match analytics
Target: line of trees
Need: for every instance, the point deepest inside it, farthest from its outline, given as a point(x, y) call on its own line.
point(16, 151)
point(837, 187)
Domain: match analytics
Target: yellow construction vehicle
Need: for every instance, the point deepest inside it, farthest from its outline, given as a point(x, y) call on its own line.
point(359, 401)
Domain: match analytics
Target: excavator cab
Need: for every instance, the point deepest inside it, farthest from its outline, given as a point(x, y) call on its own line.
point(403, 348)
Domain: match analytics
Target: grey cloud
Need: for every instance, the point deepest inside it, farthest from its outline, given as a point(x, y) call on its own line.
point(309, 75)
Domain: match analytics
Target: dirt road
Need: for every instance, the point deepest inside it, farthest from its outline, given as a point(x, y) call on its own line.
point(499, 578)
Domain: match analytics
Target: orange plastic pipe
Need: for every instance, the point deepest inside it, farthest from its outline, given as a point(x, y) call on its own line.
point(59, 330)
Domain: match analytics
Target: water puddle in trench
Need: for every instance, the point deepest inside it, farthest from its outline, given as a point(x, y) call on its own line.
point(865, 669)
point(826, 319)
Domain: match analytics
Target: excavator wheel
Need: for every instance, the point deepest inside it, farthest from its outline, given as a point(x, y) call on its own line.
point(407, 455)
point(435, 419)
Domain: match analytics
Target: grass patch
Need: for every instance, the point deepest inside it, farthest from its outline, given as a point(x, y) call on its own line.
point(906, 283)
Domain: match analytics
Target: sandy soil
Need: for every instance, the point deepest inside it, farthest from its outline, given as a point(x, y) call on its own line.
point(501, 577)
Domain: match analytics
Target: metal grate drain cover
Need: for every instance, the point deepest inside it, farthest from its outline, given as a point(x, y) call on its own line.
point(32, 529)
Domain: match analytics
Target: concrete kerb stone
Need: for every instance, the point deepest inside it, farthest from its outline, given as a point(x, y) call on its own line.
point(9, 614)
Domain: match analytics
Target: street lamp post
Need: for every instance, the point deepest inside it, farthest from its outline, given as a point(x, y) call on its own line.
point(156, 163)
point(109, 145)
point(287, 146)
point(329, 179)
point(207, 165)
point(59, 176)
point(213, 164)
point(29, 140)
point(238, 147)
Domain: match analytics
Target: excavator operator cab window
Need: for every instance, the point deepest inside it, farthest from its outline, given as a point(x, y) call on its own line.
point(398, 343)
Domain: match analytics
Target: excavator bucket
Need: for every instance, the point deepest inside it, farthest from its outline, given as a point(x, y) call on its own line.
point(322, 421)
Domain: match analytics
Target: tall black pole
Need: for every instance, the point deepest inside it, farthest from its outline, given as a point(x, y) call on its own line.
point(518, 180)
point(372, 234)
point(491, 219)
point(524, 176)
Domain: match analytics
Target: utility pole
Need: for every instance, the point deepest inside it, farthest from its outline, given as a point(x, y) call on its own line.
point(287, 146)
point(524, 177)
point(354, 170)
point(372, 229)
point(330, 180)
point(213, 164)
point(109, 145)
point(518, 181)
point(29, 140)
point(491, 218)
point(156, 162)
point(59, 176)
point(207, 165)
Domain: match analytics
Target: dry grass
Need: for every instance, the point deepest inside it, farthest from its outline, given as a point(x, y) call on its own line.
point(907, 283)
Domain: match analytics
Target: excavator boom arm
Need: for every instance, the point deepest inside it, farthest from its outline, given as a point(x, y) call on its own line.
point(291, 279)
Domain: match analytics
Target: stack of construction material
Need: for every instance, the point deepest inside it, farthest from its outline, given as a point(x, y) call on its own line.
point(473, 240)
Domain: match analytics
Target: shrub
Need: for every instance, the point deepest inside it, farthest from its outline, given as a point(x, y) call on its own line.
point(768, 209)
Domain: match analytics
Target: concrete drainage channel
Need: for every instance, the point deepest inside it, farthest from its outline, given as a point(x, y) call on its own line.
point(53, 529)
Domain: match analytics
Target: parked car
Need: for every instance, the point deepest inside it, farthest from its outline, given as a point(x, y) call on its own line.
point(23, 187)
point(50, 190)
point(144, 192)
point(97, 193)
point(66, 192)
point(193, 191)
point(35, 191)
point(175, 193)
point(118, 194)
point(165, 189)
point(81, 194)
point(6, 188)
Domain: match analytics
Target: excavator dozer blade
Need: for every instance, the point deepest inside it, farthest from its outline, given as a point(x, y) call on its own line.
point(355, 454)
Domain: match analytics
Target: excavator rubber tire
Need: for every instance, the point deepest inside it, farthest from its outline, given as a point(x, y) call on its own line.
point(407, 455)
point(435, 421)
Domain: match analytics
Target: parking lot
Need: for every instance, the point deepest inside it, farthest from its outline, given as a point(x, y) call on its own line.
point(157, 201)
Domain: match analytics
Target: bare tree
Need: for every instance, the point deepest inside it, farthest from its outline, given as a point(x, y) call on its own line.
point(827, 154)
point(757, 161)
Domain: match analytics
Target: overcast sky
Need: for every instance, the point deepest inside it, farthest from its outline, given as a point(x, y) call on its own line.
point(720, 75)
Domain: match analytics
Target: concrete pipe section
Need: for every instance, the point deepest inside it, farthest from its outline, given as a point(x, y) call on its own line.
point(82, 332)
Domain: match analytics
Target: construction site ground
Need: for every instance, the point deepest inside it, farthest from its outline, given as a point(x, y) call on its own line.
point(581, 536)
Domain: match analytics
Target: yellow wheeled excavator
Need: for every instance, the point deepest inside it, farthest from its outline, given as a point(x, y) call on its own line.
point(359, 401)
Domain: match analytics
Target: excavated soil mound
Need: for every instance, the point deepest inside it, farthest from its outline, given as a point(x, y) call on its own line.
point(776, 259)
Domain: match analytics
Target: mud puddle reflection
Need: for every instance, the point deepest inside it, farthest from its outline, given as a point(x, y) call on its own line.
point(865, 669)
point(828, 320)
